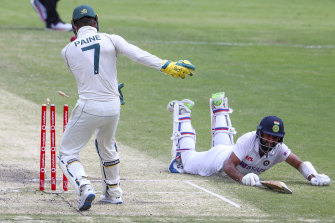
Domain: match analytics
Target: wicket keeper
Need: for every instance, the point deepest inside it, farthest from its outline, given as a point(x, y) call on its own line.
point(91, 57)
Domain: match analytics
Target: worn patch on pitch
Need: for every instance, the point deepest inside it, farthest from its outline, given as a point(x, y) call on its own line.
point(149, 189)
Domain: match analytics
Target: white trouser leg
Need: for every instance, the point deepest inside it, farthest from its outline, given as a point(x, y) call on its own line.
point(205, 163)
point(109, 158)
point(77, 134)
point(86, 117)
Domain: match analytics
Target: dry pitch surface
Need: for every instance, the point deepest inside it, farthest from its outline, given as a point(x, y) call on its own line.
point(150, 191)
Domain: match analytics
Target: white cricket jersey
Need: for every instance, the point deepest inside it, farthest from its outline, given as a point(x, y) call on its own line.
point(92, 60)
point(247, 150)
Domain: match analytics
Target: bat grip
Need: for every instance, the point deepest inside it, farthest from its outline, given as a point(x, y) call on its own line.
point(259, 184)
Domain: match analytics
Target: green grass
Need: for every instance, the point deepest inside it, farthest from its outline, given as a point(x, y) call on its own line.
point(267, 72)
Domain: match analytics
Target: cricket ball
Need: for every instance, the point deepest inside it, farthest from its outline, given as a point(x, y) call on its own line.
point(73, 38)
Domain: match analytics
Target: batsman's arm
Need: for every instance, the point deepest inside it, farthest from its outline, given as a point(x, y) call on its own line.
point(294, 161)
point(308, 171)
point(304, 169)
point(230, 168)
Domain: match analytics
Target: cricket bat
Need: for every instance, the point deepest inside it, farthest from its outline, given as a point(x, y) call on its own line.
point(275, 185)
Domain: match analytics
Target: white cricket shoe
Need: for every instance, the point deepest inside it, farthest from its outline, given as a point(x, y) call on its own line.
point(40, 9)
point(185, 106)
point(176, 165)
point(60, 26)
point(86, 197)
point(109, 199)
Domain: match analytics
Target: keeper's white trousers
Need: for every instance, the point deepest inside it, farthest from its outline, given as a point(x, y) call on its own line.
point(86, 118)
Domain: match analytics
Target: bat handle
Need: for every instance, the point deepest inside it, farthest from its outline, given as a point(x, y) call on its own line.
point(259, 184)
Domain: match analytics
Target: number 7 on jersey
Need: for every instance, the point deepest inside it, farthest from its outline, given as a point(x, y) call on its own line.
point(96, 48)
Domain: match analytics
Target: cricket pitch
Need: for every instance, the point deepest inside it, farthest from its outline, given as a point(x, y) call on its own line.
point(150, 192)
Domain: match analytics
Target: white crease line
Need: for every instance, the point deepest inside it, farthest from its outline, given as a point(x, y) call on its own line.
point(214, 194)
point(186, 181)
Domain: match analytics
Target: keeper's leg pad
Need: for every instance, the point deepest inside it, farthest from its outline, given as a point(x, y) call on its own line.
point(222, 130)
point(109, 164)
point(183, 135)
point(111, 178)
point(74, 172)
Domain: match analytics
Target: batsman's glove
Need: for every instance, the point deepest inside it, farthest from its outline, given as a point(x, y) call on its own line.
point(320, 180)
point(177, 69)
point(250, 179)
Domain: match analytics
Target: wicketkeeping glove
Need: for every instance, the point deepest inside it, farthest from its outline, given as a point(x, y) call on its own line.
point(320, 180)
point(121, 95)
point(250, 179)
point(178, 69)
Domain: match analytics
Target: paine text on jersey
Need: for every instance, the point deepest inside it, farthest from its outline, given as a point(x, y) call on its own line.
point(90, 39)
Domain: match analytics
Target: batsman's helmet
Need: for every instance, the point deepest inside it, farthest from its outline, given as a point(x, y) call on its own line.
point(271, 125)
point(83, 11)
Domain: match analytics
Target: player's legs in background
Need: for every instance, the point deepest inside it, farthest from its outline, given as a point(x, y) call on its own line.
point(47, 10)
point(40, 9)
point(52, 15)
point(183, 135)
point(222, 130)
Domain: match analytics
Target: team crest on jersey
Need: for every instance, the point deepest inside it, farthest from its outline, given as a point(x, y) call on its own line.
point(266, 162)
point(275, 127)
